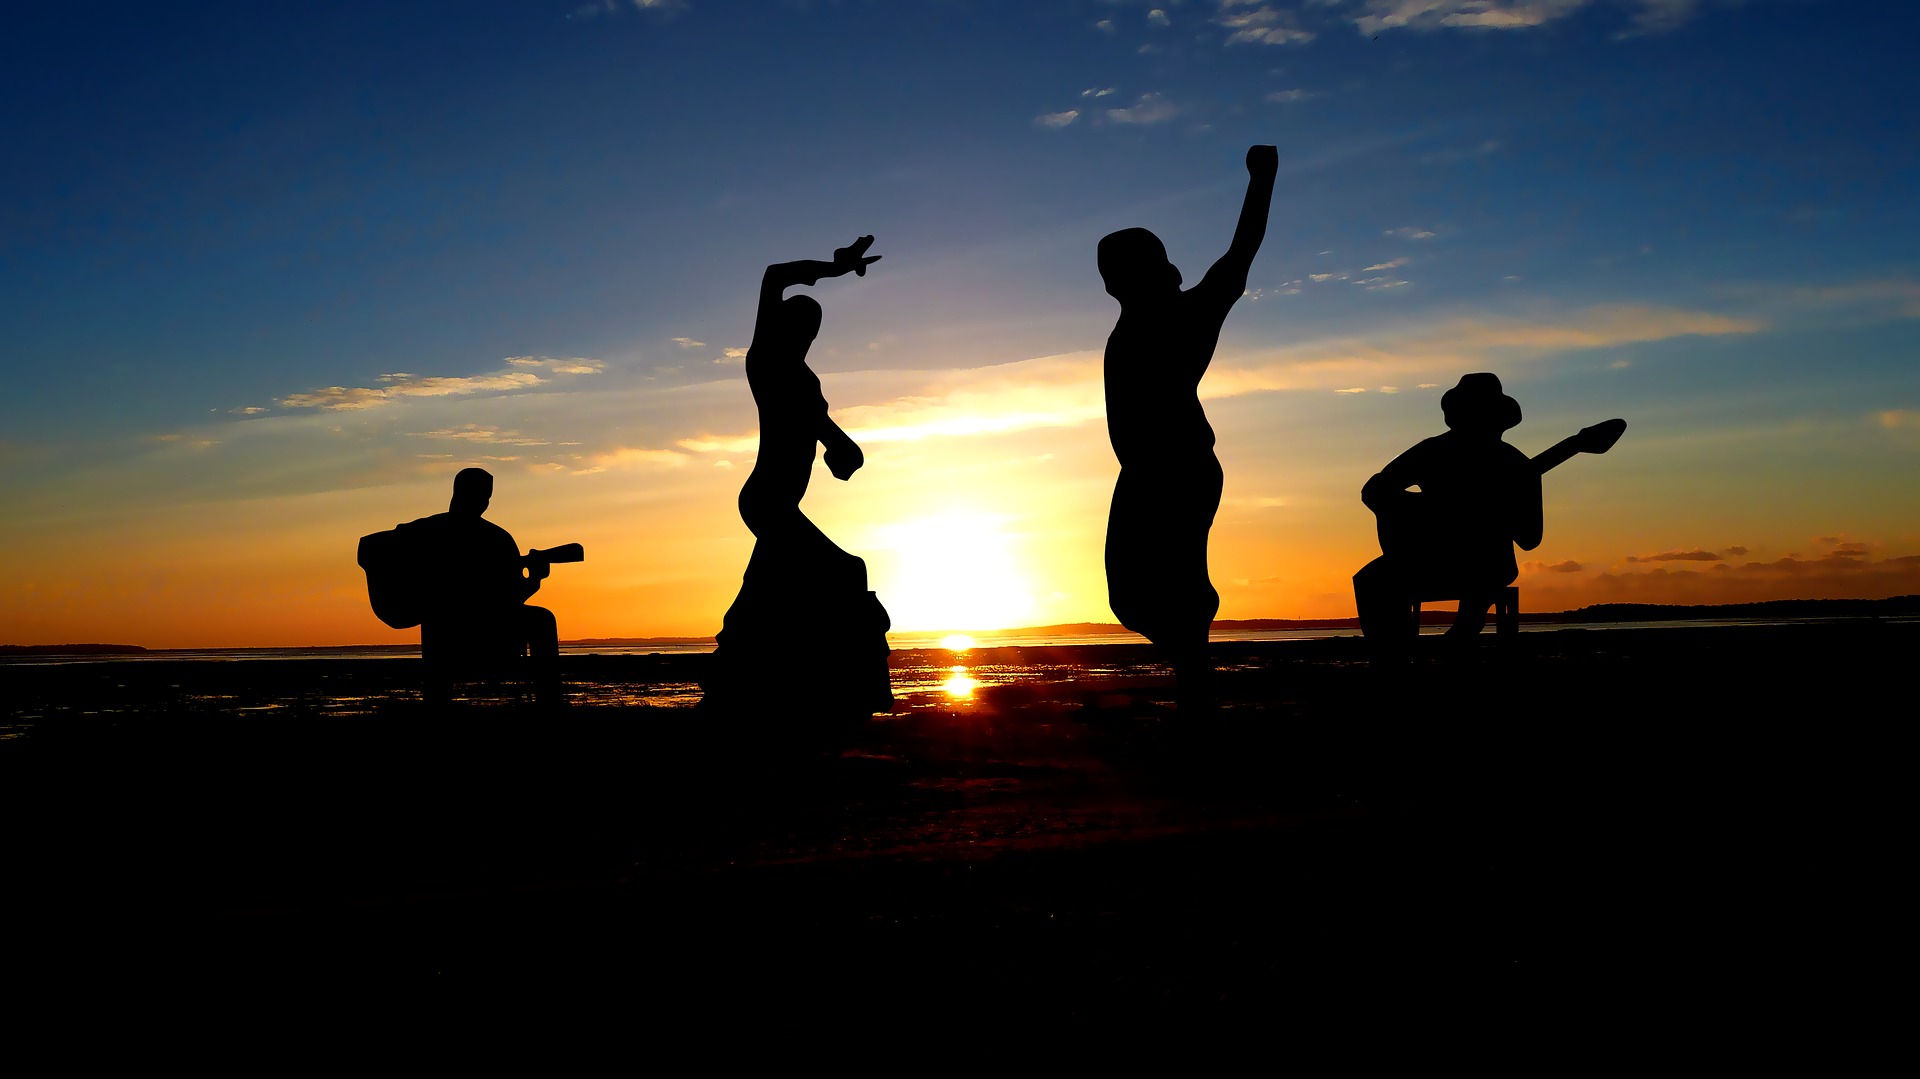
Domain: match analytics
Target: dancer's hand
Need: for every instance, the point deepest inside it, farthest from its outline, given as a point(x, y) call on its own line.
point(1263, 161)
point(854, 257)
point(844, 460)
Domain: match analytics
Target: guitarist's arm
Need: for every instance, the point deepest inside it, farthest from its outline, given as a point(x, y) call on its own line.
point(1386, 490)
point(1529, 520)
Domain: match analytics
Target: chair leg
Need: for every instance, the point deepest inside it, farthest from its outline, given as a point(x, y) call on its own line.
point(1506, 609)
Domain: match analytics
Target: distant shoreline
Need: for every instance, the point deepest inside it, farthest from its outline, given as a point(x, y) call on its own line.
point(1601, 613)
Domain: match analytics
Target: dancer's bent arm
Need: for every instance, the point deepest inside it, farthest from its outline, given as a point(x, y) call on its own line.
point(843, 455)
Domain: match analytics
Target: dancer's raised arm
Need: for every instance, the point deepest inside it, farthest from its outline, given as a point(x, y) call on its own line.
point(1228, 276)
point(783, 275)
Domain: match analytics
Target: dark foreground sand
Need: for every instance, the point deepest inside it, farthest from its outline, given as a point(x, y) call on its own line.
point(1059, 846)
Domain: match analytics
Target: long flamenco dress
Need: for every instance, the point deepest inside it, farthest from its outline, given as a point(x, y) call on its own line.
point(805, 634)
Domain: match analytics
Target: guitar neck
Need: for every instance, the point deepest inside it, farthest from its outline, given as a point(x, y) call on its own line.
point(1558, 454)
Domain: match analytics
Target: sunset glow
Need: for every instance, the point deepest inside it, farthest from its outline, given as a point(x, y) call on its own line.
point(956, 570)
point(270, 285)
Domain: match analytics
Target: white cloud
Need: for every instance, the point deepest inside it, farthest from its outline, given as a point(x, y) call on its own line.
point(1661, 16)
point(250, 410)
point(1462, 14)
point(1096, 91)
point(688, 342)
point(1158, 18)
point(732, 355)
point(481, 433)
point(1468, 343)
point(629, 457)
point(1409, 232)
point(1264, 25)
point(1323, 278)
point(615, 7)
point(578, 365)
point(1104, 25)
point(1057, 120)
point(1150, 109)
point(1392, 264)
point(401, 384)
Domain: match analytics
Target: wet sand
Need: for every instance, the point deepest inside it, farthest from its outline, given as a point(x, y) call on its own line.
point(1060, 844)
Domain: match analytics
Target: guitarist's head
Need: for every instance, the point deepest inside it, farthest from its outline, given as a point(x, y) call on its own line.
point(472, 492)
point(1477, 406)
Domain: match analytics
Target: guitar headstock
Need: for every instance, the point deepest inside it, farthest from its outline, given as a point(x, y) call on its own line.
point(1601, 436)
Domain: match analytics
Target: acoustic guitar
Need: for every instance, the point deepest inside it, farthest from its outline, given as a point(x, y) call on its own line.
point(1403, 529)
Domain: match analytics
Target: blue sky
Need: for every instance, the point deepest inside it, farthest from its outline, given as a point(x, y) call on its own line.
point(281, 268)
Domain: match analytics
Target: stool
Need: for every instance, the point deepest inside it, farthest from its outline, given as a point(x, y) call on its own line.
point(1506, 609)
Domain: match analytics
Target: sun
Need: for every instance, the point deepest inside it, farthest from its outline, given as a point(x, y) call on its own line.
point(958, 569)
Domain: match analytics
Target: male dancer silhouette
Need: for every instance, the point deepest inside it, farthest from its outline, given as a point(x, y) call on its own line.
point(1169, 486)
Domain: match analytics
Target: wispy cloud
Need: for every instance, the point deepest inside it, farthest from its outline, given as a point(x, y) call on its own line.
point(1150, 109)
point(1392, 264)
point(1458, 344)
point(615, 7)
point(1289, 97)
point(1661, 16)
point(1382, 15)
point(628, 457)
point(481, 433)
point(1057, 120)
point(1096, 91)
point(518, 377)
point(1263, 25)
point(1410, 232)
point(1375, 16)
point(1695, 555)
point(1568, 566)
point(688, 342)
point(578, 365)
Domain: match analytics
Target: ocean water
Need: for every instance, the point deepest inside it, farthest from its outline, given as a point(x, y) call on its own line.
point(926, 674)
point(899, 641)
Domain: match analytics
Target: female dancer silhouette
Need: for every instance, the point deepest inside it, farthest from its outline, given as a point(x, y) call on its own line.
point(1169, 486)
point(799, 585)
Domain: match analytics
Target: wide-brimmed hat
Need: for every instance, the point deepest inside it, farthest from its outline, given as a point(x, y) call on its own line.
point(1478, 403)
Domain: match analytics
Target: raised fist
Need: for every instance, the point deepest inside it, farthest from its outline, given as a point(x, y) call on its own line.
point(1263, 160)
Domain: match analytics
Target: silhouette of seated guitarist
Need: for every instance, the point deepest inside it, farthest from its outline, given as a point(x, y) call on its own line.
point(1477, 496)
point(463, 581)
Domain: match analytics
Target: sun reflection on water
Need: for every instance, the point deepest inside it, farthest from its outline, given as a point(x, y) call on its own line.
point(959, 683)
